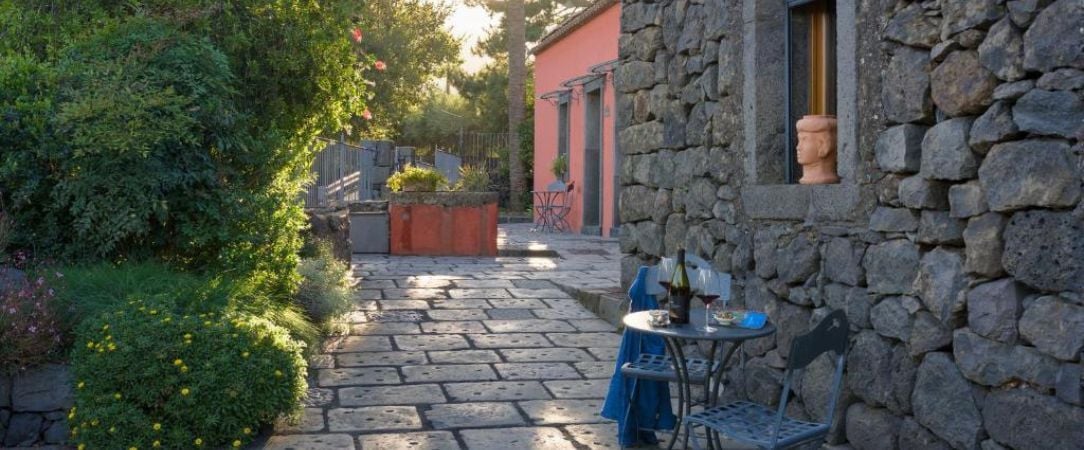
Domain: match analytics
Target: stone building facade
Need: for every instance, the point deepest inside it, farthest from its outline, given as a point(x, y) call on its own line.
point(954, 242)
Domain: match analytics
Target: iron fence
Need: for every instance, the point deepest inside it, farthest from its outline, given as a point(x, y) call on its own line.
point(343, 173)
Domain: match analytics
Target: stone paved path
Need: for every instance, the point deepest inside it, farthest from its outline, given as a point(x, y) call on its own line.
point(468, 353)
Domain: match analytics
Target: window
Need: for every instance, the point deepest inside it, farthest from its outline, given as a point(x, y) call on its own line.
point(563, 129)
point(811, 69)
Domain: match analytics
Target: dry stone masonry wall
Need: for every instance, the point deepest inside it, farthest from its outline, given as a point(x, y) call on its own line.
point(955, 243)
point(34, 406)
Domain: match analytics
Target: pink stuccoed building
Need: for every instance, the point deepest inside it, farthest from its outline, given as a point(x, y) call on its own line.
point(574, 114)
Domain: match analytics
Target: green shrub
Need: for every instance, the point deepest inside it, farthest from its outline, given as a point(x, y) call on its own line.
point(416, 179)
point(472, 179)
point(147, 376)
point(172, 129)
point(559, 166)
point(325, 284)
point(91, 290)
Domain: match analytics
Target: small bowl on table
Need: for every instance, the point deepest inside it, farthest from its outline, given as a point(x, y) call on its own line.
point(729, 318)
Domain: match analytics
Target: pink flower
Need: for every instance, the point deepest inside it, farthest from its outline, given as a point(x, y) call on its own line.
point(366, 114)
point(380, 66)
point(356, 33)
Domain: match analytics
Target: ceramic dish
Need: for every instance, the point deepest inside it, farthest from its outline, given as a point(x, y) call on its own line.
point(729, 318)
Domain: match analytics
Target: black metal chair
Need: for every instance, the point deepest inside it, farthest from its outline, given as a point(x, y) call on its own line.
point(767, 428)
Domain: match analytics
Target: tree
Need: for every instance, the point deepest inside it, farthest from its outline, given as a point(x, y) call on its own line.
point(441, 116)
point(522, 20)
point(181, 130)
point(517, 54)
point(409, 39)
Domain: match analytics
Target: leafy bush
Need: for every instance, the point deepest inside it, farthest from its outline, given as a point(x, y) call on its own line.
point(91, 290)
point(30, 324)
point(419, 179)
point(148, 376)
point(325, 284)
point(559, 167)
point(472, 179)
point(172, 129)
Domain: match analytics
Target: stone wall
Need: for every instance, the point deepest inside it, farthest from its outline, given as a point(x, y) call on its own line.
point(955, 243)
point(34, 405)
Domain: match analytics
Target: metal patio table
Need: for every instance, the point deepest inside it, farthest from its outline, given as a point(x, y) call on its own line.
point(674, 336)
point(551, 210)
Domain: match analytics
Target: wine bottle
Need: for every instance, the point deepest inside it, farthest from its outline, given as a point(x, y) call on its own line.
point(680, 292)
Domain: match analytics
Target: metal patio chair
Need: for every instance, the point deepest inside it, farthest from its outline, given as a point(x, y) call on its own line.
point(767, 428)
point(553, 206)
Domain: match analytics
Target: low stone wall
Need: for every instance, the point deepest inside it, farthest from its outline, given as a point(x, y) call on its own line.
point(34, 405)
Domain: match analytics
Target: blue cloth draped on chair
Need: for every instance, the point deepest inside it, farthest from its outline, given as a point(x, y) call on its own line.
point(653, 410)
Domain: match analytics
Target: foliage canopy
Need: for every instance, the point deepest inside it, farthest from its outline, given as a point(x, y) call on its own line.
point(178, 129)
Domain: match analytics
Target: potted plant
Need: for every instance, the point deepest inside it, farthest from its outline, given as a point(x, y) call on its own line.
point(416, 179)
point(559, 167)
point(472, 179)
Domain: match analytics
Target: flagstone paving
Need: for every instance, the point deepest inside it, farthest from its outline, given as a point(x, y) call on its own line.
point(468, 353)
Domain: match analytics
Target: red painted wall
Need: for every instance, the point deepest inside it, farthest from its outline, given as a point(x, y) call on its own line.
point(592, 43)
point(435, 230)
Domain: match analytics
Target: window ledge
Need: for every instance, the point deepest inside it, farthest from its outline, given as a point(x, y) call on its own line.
point(814, 203)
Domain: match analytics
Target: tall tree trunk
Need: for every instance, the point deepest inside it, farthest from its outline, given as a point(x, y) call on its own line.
point(517, 72)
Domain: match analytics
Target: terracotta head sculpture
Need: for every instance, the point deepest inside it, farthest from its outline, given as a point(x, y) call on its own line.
point(817, 149)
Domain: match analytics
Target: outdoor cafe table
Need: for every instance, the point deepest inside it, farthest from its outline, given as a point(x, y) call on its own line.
point(675, 335)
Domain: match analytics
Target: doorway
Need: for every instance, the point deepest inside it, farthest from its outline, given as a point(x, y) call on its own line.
point(592, 158)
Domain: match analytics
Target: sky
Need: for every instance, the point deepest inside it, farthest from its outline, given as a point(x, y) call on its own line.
point(468, 23)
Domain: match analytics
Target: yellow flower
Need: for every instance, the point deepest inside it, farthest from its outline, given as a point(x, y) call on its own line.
point(248, 431)
point(116, 396)
point(157, 426)
point(244, 354)
point(80, 385)
point(71, 415)
point(167, 319)
point(112, 429)
point(206, 323)
point(156, 444)
point(184, 369)
point(187, 336)
point(82, 446)
point(133, 448)
point(90, 344)
point(178, 362)
point(184, 391)
point(198, 441)
point(105, 327)
point(94, 423)
point(278, 374)
point(112, 346)
point(237, 443)
point(154, 311)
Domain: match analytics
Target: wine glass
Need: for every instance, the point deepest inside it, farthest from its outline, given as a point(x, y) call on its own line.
point(666, 272)
point(654, 288)
point(710, 283)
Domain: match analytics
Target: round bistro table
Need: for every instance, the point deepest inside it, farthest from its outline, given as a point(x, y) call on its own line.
point(674, 336)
